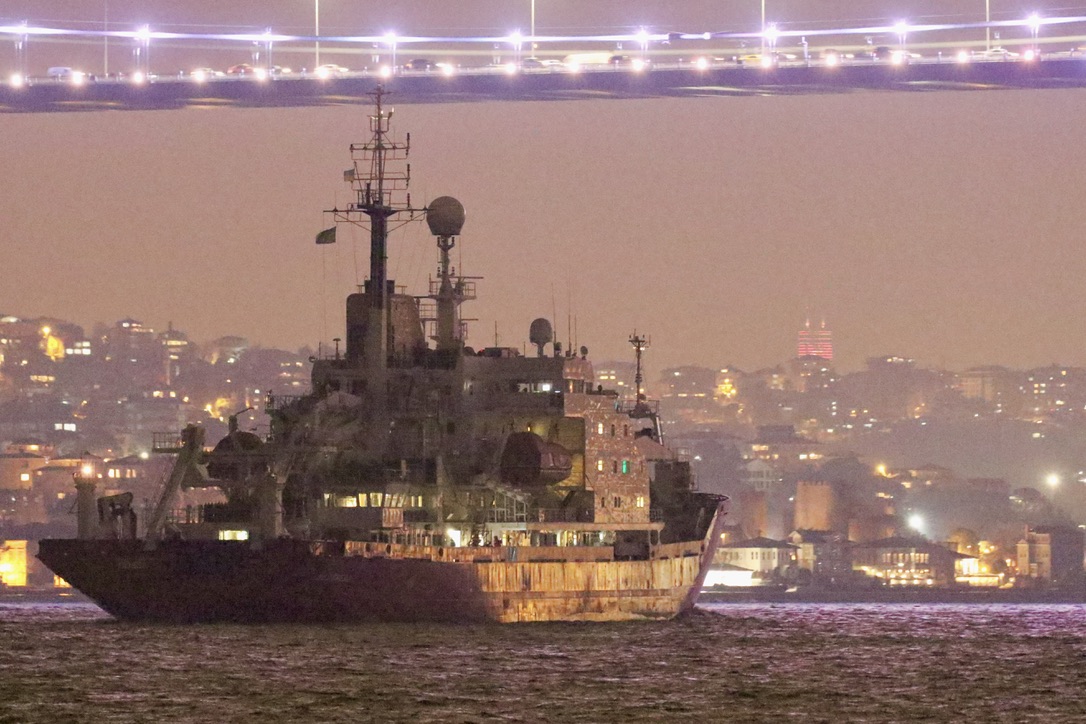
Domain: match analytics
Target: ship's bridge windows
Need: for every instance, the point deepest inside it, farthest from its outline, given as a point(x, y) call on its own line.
point(346, 501)
point(575, 386)
point(233, 535)
point(376, 499)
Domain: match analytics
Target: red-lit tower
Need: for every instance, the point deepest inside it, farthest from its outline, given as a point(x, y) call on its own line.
point(815, 342)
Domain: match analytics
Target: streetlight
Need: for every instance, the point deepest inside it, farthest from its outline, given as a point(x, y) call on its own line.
point(517, 42)
point(268, 49)
point(20, 53)
point(987, 25)
point(771, 34)
point(390, 38)
point(763, 27)
point(143, 51)
point(105, 37)
point(902, 29)
point(643, 41)
point(1035, 28)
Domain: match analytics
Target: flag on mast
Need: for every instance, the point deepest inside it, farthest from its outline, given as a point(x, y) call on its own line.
point(328, 236)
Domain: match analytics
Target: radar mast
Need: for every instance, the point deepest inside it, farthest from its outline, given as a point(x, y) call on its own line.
point(380, 178)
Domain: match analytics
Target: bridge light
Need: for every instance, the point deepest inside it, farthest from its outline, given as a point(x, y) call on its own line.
point(1034, 29)
point(390, 38)
point(963, 56)
point(386, 71)
point(702, 63)
point(16, 80)
point(138, 78)
point(902, 29)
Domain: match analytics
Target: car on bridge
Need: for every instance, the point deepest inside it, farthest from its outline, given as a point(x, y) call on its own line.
point(330, 70)
point(756, 60)
point(995, 54)
point(201, 75)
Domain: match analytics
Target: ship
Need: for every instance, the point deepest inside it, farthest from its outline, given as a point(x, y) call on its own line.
point(420, 479)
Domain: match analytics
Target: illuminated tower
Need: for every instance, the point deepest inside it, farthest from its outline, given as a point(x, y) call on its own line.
point(815, 342)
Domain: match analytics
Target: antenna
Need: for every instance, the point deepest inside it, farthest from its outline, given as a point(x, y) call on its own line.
point(380, 178)
point(640, 344)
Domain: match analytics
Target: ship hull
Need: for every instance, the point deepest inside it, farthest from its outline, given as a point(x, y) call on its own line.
point(301, 582)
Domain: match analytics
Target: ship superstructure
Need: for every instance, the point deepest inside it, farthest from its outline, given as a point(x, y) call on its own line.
point(420, 478)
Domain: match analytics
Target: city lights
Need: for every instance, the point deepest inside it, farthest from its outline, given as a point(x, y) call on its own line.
point(916, 522)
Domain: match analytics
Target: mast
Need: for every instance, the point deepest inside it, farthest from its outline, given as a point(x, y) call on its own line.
point(640, 344)
point(380, 178)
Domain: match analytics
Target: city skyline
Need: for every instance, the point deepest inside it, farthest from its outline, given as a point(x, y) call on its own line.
point(942, 227)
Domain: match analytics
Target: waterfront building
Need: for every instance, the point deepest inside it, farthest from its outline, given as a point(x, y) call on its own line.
point(768, 559)
point(906, 561)
point(823, 553)
point(1050, 554)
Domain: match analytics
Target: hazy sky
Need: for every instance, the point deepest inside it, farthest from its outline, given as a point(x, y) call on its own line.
point(943, 226)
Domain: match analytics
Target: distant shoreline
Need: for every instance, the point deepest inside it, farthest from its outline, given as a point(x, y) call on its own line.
point(883, 595)
point(41, 595)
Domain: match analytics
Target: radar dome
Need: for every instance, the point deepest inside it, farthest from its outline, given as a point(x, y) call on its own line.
point(445, 216)
point(540, 334)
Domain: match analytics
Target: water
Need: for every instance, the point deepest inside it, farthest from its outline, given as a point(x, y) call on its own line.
point(810, 663)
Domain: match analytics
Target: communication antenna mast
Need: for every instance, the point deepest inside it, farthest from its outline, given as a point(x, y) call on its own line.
point(380, 178)
point(640, 344)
